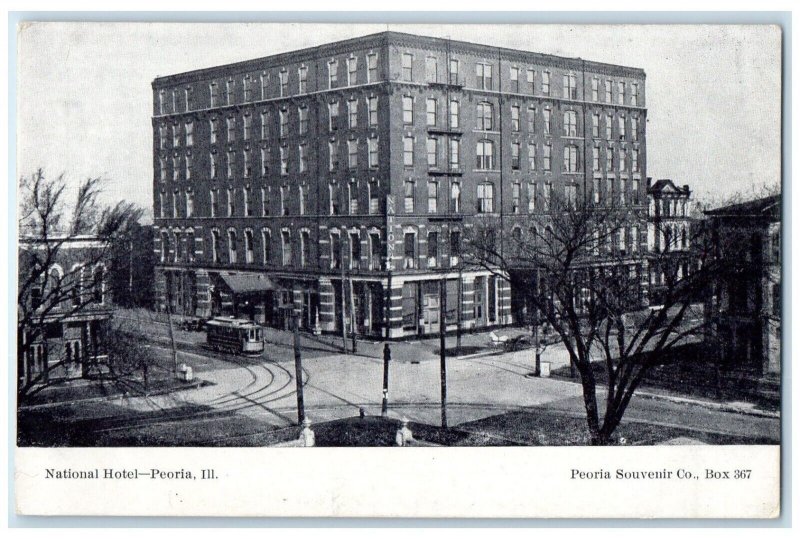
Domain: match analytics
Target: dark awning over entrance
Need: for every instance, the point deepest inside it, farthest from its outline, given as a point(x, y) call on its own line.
point(248, 283)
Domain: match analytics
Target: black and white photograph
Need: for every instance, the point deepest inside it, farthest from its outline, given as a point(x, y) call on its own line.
point(398, 236)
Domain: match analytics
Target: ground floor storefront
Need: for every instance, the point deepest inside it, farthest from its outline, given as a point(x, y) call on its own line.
point(395, 306)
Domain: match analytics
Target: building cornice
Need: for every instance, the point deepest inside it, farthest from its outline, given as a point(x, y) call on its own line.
point(397, 39)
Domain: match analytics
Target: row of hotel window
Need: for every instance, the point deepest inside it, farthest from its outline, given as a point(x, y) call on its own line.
point(484, 80)
point(266, 159)
point(485, 158)
point(485, 121)
point(257, 87)
point(182, 248)
point(253, 87)
point(349, 252)
point(347, 195)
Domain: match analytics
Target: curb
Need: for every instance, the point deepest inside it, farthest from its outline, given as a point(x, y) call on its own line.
point(720, 406)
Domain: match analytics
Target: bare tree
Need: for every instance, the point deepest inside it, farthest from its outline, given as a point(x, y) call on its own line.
point(584, 268)
point(52, 286)
point(128, 360)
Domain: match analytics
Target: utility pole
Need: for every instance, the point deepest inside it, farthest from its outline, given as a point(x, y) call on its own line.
point(352, 309)
point(537, 371)
point(130, 272)
point(298, 370)
point(387, 357)
point(172, 335)
point(442, 350)
point(342, 302)
point(459, 306)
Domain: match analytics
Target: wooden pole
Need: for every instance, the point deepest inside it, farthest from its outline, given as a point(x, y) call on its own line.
point(352, 311)
point(172, 335)
point(387, 356)
point(537, 371)
point(298, 371)
point(342, 302)
point(442, 349)
point(460, 306)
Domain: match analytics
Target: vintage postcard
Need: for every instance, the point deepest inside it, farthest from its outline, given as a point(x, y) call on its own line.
point(399, 270)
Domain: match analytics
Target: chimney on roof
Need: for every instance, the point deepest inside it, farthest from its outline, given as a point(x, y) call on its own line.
point(649, 182)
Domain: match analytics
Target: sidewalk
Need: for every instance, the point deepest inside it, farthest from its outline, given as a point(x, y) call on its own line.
point(490, 376)
point(279, 343)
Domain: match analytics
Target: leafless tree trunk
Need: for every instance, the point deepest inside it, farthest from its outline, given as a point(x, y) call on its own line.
point(587, 279)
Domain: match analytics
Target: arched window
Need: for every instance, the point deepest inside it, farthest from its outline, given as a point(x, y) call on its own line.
point(485, 115)
point(410, 248)
point(54, 277)
point(216, 246)
point(305, 247)
point(534, 241)
point(77, 285)
point(248, 246)
point(286, 247)
point(336, 250)
point(570, 124)
point(232, 246)
point(176, 255)
point(485, 154)
point(164, 245)
point(98, 285)
point(266, 242)
point(375, 253)
point(190, 244)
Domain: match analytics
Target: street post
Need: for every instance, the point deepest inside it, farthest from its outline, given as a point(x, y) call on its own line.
point(442, 349)
point(298, 371)
point(387, 357)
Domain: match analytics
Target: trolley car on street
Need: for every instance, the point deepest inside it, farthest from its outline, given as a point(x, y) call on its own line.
point(235, 336)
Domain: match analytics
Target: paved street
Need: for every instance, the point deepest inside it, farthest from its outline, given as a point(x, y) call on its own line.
point(338, 386)
point(262, 389)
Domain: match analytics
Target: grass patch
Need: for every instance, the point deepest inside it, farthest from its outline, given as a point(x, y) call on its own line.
point(688, 372)
point(372, 431)
point(549, 428)
point(86, 389)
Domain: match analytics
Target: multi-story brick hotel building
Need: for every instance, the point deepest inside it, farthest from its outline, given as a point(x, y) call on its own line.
point(363, 162)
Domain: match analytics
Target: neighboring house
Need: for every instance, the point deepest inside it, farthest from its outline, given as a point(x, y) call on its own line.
point(745, 303)
point(344, 176)
point(62, 316)
point(669, 234)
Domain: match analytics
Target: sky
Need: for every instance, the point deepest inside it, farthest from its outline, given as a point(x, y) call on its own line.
point(84, 101)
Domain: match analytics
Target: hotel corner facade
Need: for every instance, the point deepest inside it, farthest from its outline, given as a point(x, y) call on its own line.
point(341, 178)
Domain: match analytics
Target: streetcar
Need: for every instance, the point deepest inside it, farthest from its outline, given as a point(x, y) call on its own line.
point(235, 336)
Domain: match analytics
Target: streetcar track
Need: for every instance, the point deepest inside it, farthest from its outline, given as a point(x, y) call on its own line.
point(226, 407)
